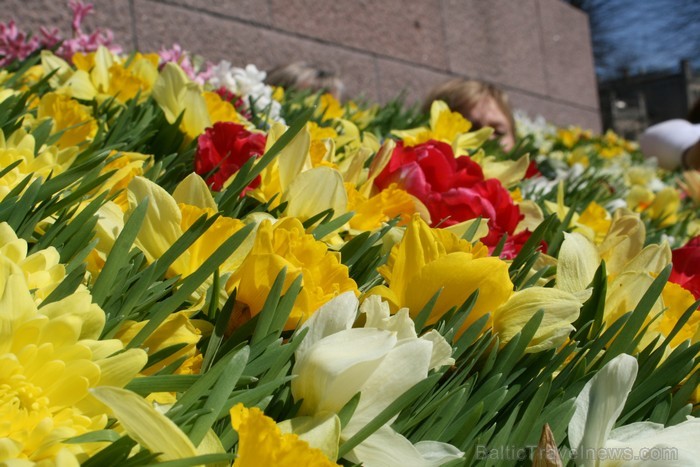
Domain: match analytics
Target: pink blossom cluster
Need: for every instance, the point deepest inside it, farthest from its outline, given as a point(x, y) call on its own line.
point(177, 54)
point(17, 45)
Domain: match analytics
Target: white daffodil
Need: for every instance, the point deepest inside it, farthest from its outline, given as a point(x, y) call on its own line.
point(594, 442)
point(382, 360)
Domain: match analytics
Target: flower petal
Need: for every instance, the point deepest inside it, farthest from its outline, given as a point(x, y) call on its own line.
point(560, 310)
point(146, 425)
point(193, 190)
point(334, 369)
point(387, 447)
point(578, 262)
point(599, 405)
point(334, 316)
point(315, 191)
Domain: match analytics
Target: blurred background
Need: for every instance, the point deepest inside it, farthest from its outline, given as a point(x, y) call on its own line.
point(647, 57)
point(620, 64)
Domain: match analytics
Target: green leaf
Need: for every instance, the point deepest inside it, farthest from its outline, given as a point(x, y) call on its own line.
point(99, 436)
point(346, 413)
point(217, 397)
point(205, 459)
point(163, 309)
point(329, 227)
point(119, 254)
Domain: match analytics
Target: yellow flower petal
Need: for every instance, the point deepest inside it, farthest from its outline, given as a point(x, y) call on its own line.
point(560, 310)
point(578, 262)
point(146, 425)
point(260, 442)
point(459, 275)
point(315, 191)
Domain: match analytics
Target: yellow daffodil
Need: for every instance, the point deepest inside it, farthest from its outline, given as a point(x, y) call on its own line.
point(382, 360)
point(329, 107)
point(169, 216)
point(594, 222)
point(260, 442)
point(74, 120)
point(448, 127)
point(20, 146)
point(665, 206)
point(286, 244)
point(430, 260)
point(569, 137)
point(321, 144)
point(371, 213)
point(102, 75)
point(221, 110)
point(126, 166)
point(677, 300)
point(177, 329)
point(578, 156)
point(51, 358)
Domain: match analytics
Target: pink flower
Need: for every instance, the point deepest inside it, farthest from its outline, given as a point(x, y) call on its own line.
point(80, 11)
point(15, 44)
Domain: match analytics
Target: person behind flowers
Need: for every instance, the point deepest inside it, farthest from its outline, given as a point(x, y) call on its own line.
point(483, 104)
point(303, 75)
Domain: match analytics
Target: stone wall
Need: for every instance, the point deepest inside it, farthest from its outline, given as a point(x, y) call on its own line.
point(539, 51)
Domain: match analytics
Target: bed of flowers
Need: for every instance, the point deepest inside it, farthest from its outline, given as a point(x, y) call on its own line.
point(198, 268)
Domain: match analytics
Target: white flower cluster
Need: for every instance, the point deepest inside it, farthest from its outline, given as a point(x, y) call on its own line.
point(249, 84)
point(541, 131)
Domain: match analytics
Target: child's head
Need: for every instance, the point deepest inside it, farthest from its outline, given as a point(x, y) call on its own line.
point(481, 103)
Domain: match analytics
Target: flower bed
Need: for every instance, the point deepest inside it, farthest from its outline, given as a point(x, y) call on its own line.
point(198, 268)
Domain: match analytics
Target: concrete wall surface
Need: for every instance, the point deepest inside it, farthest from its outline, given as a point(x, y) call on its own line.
point(539, 51)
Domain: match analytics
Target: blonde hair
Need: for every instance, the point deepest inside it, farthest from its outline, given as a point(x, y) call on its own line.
point(462, 95)
point(302, 75)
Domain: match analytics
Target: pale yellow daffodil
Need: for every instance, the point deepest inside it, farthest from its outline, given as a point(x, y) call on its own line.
point(631, 267)
point(508, 172)
point(102, 75)
point(151, 429)
point(176, 94)
point(168, 217)
point(308, 190)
